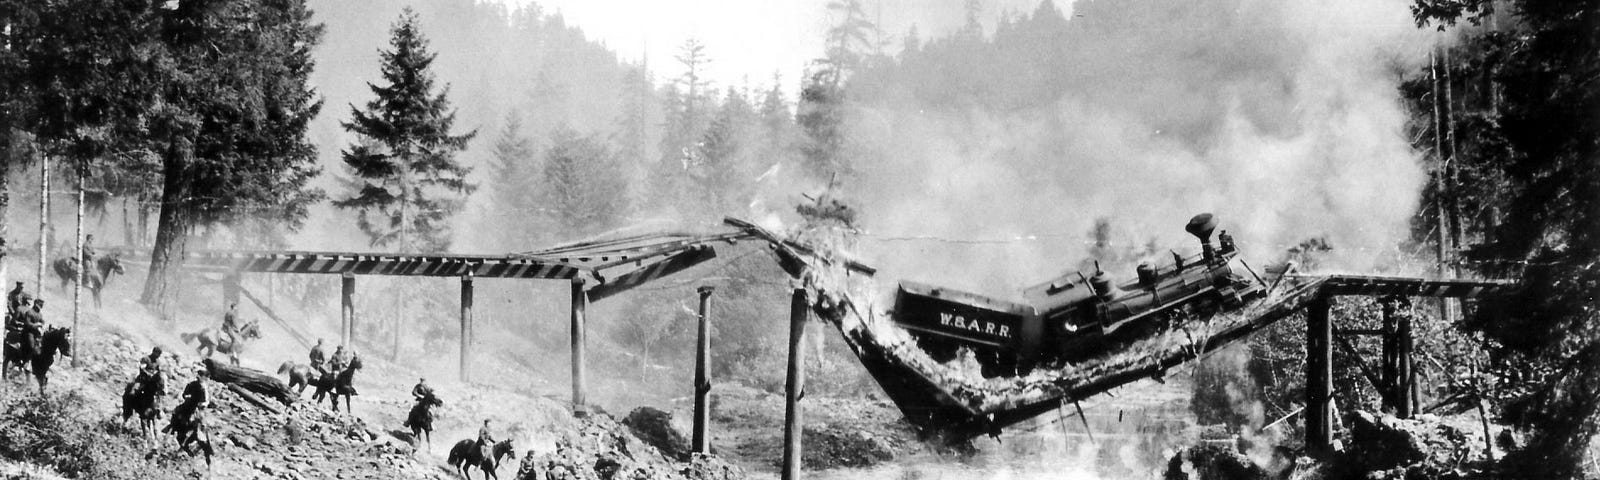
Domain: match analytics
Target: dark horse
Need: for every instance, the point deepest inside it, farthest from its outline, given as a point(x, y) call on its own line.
point(336, 384)
point(105, 265)
point(300, 375)
point(212, 341)
point(420, 421)
point(41, 354)
point(139, 397)
point(191, 429)
point(467, 454)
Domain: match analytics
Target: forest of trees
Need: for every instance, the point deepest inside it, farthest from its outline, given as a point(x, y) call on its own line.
point(208, 118)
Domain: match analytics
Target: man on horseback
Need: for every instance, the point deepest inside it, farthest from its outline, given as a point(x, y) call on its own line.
point(340, 360)
point(319, 358)
point(230, 323)
point(16, 301)
point(150, 372)
point(422, 391)
point(88, 253)
point(30, 328)
point(486, 440)
point(195, 400)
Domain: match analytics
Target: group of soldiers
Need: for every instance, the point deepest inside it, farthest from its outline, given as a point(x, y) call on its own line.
point(25, 314)
point(24, 320)
point(195, 397)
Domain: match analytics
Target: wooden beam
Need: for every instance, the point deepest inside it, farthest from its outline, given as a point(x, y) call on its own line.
point(666, 266)
point(702, 376)
point(794, 388)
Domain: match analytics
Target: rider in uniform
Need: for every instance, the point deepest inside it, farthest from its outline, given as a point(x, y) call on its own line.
point(150, 375)
point(16, 300)
point(230, 323)
point(30, 324)
point(422, 391)
point(485, 440)
point(88, 252)
point(195, 399)
point(339, 361)
point(319, 358)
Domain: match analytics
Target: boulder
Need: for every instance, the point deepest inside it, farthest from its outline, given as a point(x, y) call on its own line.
point(1382, 442)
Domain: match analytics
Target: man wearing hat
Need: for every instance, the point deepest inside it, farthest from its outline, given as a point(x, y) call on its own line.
point(30, 324)
point(16, 300)
point(230, 323)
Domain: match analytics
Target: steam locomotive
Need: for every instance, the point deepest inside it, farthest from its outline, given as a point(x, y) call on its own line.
point(1076, 316)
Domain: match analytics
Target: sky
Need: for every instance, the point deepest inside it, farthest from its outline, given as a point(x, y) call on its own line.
point(749, 40)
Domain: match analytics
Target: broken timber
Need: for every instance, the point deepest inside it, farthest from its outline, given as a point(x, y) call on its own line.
point(255, 381)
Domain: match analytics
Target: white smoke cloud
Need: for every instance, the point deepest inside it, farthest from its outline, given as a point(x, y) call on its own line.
point(1281, 117)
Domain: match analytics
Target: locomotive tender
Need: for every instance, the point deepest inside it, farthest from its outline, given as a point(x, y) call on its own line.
point(1075, 316)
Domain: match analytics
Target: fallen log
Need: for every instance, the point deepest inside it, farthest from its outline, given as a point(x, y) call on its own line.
point(255, 381)
point(253, 399)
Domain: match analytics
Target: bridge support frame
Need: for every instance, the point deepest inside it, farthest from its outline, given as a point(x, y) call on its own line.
point(702, 374)
point(1319, 377)
point(580, 303)
point(347, 310)
point(466, 328)
point(795, 386)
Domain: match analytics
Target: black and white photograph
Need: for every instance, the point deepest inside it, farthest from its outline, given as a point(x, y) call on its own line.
point(800, 239)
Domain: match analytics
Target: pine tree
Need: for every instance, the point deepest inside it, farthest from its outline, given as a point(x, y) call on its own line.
point(583, 183)
point(407, 182)
point(515, 173)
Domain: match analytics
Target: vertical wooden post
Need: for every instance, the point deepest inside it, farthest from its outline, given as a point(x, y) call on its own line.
point(466, 327)
point(580, 303)
point(44, 222)
point(795, 387)
point(347, 310)
point(1319, 377)
point(1389, 373)
point(702, 377)
point(83, 272)
point(1405, 385)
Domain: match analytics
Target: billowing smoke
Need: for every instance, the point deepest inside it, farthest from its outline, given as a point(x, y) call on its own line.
point(1282, 117)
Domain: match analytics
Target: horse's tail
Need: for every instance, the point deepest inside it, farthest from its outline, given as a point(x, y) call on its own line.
point(287, 367)
point(188, 337)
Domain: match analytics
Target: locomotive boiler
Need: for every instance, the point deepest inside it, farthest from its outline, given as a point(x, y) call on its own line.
point(1076, 315)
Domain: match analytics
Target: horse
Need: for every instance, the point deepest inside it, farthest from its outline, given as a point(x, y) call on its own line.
point(190, 429)
point(139, 397)
point(467, 454)
point(105, 265)
point(41, 357)
point(336, 384)
point(420, 421)
point(212, 341)
point(299, 375)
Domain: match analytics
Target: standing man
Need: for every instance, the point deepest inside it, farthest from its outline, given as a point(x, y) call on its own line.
point(319, 358)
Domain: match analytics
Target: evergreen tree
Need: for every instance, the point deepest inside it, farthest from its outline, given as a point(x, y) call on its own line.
point(216, 90)
point(1536, 134)
point(583, 184)
point(407, 182)
point(515, 172)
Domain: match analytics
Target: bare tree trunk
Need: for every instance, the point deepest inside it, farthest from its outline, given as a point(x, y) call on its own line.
point(44, 219)
point(172, 230)
point(7, 149)
point(83, 270)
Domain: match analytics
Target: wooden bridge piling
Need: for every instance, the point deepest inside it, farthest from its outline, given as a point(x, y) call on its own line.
point(702, 377)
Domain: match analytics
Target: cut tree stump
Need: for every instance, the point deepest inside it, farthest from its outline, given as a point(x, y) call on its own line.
point(255, 381)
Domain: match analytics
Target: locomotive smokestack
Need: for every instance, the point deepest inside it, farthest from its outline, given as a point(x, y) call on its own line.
point(1201, 227)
